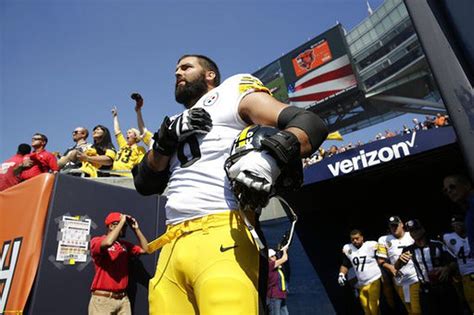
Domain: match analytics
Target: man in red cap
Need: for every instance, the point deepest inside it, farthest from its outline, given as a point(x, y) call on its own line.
point(111, 257)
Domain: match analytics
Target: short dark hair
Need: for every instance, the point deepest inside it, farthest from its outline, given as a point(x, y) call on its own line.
point(356, 231)
point(208, 64)
point(24, 149)
point(45, 139)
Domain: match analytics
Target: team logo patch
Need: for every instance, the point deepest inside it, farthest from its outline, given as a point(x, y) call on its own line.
point(452, 241)
point(389, 244)
point(350, 251)
point(211, 99)
point(305, 59)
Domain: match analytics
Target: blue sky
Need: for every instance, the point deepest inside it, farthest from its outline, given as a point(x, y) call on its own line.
point(65, 63)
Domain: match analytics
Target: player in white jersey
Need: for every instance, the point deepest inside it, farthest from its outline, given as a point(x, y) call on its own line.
point(209, 262)
point(390, 248)
point(458, 245)
point(361, 256)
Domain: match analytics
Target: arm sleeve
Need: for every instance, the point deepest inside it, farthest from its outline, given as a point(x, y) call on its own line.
point(346, 262)
point(121, 140)
point(148, 182)
point(53, 163)
point(146, 137)
point(110, 153)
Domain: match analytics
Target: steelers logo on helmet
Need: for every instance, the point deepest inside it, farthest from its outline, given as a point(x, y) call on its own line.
point(249, 139)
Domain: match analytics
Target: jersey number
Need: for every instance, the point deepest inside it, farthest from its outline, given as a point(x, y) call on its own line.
point(124, 155)
point(193, 148)
point(356, 261)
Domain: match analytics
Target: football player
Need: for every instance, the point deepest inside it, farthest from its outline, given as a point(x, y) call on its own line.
point(458, 245)
point(361, 256)
point(405, 280)
point(209, 262)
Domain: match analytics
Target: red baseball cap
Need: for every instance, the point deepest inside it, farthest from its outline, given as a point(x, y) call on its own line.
point(112, 217)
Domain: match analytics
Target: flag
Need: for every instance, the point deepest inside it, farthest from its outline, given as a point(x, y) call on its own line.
point(319, 84)
point(334, 136)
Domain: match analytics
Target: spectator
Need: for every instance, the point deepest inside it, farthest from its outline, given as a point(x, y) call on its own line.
point(130, 153)
point(440, 120)
point(460, 190)
point(69, 159)
point(405, 280)
point(111, 257)
point(40, 161)
point(100, 157)
point(406, 130)
point(8, 176)
point(389, 134)
point(277, 284)
point(429, 122)
point(458, 245)
point(434, 265)
point(361, 256)
point(418, 126)
point(332, 151)
point(144, 133)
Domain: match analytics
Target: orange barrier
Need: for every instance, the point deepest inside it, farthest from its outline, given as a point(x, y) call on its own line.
point(23, 210)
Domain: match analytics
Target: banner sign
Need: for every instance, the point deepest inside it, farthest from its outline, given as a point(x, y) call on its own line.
point(73, 237)
point(22, 221)
point(378, 152)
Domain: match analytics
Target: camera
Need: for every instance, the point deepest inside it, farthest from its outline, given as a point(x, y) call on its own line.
point(136, 96)
point(129, 220)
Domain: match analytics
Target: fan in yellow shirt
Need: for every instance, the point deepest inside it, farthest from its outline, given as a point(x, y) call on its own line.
point(130, 153)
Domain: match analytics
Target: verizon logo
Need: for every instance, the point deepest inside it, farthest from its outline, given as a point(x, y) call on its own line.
point(371, 158)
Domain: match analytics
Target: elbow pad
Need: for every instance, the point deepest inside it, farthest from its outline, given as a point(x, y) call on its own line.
point(309, 122)
point(148, 182)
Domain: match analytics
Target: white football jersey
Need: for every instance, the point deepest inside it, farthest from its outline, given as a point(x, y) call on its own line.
point(364, 262)
point(391, 248)
point(198, 185)
point(459, 247)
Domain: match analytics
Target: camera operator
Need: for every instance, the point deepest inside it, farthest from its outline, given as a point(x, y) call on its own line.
point(111, 257)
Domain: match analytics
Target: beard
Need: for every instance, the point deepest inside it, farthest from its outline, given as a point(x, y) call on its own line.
point(187, 93)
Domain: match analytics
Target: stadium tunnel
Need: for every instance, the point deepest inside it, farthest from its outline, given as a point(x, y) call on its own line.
point(410, 187)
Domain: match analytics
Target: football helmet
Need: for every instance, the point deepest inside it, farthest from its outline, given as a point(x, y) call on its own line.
point(290, 178)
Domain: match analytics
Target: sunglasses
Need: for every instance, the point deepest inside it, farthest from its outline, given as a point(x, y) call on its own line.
point(37, 138)
point(76, 131)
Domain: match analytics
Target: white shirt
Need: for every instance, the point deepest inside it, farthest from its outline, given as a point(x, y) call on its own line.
point(364, 262)
point(391, 248)
point(202, 188)
point(459, 247)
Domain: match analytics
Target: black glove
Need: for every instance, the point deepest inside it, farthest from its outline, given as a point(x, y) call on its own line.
point(191, 121)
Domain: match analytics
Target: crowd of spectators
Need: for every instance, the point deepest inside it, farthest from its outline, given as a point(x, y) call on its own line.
point(97, 159)
point(430, 122)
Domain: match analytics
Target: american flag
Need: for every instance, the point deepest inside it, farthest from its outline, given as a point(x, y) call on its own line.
point(321, 83)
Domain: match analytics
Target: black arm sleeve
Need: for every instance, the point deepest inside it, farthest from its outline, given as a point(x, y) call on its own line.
point(309, 122)
point(346, 262)
point(148, 182)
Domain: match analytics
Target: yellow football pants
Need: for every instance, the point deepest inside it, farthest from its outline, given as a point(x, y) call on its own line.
point(468, 287)
point(369, 296)
point(414, 307)
point(211, 268)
